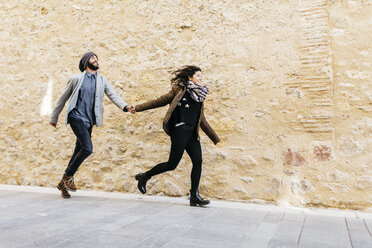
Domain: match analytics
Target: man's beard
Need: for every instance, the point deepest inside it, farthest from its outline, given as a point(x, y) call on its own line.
point(92, 67)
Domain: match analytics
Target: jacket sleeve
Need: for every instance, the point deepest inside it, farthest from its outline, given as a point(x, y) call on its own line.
point(156, 103)
point(208, 130)
point(62, 101)
point(113, 96)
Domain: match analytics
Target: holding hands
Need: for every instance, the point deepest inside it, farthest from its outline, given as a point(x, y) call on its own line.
point(132, 109)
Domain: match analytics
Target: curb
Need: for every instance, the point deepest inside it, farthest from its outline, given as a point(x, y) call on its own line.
point(184, 200)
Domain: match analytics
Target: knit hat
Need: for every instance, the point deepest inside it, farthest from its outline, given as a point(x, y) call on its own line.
point(84, 60)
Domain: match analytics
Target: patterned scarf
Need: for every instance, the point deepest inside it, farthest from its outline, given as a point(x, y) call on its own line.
point(197, 92)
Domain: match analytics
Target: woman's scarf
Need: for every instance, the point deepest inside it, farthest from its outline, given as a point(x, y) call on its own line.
point(197, 92)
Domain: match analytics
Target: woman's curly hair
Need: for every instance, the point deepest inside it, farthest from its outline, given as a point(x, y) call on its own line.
point(182, 75)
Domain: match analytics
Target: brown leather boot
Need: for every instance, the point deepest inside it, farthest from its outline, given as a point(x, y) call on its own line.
point(69, 182)
point(64, 192)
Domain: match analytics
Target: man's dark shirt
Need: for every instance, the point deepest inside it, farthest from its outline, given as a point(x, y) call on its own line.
point(84, 109)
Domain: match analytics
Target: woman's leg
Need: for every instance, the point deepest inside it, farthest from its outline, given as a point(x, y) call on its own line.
point(193, 148)
point(179, 140)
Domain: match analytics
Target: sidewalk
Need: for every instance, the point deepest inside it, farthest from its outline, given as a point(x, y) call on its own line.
point(39, 217)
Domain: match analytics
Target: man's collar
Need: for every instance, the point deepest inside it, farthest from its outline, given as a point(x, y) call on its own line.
point(88, 74)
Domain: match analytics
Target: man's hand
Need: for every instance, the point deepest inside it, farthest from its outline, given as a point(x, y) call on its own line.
point(53, 124)
point(132, 109)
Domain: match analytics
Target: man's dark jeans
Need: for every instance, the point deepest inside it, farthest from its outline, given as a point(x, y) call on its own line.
point(83, 148)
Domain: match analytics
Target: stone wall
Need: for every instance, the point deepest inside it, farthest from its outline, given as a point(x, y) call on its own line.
point(290, 95)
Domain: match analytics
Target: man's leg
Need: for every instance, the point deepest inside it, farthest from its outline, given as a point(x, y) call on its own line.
point(82, 150)
point(84, 146)
point(77, 149)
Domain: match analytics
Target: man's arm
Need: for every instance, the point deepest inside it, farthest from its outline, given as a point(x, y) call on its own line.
point(61, 102)
point(114, 97)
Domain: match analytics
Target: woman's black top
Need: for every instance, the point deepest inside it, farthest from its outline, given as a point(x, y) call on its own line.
point(187, 110)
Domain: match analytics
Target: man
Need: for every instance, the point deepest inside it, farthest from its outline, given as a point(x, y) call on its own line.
point(84, 110)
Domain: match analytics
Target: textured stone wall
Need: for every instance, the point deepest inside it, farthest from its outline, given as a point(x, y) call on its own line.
point(290, 95)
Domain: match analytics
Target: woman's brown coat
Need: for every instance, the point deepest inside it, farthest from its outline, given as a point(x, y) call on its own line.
point(172, 98)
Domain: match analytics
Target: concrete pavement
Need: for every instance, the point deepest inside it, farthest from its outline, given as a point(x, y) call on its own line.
point(39, 217)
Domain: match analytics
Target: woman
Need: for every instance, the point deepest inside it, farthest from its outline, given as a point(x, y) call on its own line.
point(181, 122)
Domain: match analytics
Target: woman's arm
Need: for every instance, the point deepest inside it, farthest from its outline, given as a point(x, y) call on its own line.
point(156, 103)
point(208, 130)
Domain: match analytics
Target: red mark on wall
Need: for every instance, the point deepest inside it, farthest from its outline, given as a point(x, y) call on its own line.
point(293, 158)
point(322, 152)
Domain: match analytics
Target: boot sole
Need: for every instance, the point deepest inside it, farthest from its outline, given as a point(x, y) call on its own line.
point(72, 190)
point(65, 197)
point(194, 204)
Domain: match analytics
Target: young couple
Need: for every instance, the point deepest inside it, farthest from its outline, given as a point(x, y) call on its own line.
point(181, 122)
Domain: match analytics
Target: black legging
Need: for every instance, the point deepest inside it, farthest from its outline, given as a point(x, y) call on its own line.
point(183, 138)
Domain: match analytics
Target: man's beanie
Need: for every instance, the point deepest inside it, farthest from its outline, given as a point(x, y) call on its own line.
point(84, 60)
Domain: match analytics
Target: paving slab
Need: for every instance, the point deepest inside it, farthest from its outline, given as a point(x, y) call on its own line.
point(324, 231)
point(359, 234)
point(33, 217)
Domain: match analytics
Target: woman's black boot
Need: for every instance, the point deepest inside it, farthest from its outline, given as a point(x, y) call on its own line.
point(142, 180)
point(196, 200)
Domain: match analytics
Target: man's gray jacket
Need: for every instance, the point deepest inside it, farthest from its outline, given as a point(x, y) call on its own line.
point(72, 90)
